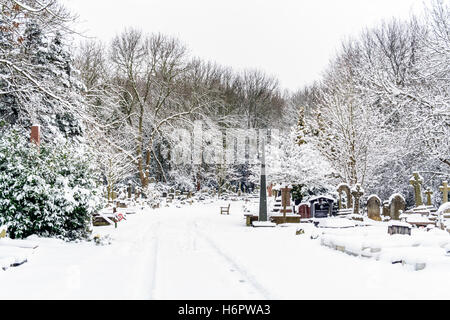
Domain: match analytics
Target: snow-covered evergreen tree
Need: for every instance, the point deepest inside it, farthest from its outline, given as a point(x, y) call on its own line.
point(48, 191)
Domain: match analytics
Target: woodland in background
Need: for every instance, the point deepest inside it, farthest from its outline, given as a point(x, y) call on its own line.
point(380, 111)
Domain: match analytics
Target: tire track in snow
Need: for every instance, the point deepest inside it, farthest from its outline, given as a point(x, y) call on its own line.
point(249, 279)
point(154, 254)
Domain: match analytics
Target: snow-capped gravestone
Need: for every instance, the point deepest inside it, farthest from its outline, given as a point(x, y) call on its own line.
point(444, 189)
point(357, 193)
point(397, 205)
point(343, 187)
point(373, 208)
point(416, 181)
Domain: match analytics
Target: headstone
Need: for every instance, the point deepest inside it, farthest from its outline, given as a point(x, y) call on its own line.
point(444, 189)
point(373, 208)
point(304, 211)
point(429, 193)
point(416, 181)
point(357, 193)
point(396, 206)
point(36, 135)
point(343, 187)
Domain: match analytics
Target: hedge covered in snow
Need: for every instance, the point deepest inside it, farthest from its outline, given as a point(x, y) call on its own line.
point(49, 191)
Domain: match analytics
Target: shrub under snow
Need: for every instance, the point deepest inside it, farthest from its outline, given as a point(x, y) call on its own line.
point(49, 191)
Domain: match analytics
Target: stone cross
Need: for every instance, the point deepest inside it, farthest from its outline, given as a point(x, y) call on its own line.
point(357, 194)
point(444, 189)
point(429, 193)
point(416, 182)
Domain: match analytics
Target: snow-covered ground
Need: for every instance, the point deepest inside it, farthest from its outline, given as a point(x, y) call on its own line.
point(193, 252)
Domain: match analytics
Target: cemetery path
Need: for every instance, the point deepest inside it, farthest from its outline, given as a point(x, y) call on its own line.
point(189, 264)
point(195, 253)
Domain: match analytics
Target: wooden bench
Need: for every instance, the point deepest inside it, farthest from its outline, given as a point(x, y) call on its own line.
point(225, 210)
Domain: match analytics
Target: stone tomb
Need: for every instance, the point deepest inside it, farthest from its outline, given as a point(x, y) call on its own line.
point(321, 206)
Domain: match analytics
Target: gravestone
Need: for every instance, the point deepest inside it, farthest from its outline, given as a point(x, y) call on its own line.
point(444, 189)
point(304, 211)
point(416, 181)
point(357, 193)
point(396, 204)
point(343, 187)
point(373, 208)
point(429, 193)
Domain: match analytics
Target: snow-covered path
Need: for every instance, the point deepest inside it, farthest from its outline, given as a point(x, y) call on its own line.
point(193, 252)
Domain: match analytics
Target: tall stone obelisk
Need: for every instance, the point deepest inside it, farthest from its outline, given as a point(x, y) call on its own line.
point(263, 190)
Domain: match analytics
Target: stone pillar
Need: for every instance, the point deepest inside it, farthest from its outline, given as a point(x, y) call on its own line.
point(262, 190)
point(36, 135)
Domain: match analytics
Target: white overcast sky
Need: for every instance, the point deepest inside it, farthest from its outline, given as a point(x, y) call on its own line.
point(290, 39)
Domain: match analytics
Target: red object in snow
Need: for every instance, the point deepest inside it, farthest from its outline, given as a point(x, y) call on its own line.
point(36, 135)
point(304, 211)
